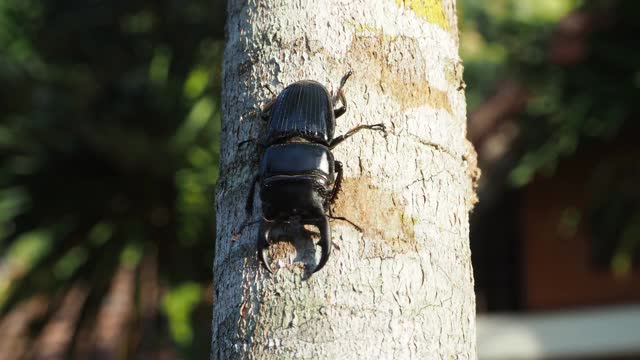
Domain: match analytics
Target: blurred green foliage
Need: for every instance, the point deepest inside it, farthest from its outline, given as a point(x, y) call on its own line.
point(583, 82)
point(178, 304)
point(109, 127)
point(580, 64)
point(495, 34)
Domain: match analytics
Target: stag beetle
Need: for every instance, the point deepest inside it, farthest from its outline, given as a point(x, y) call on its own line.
point(299, 178)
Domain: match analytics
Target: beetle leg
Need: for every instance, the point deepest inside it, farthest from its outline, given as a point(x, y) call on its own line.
point(265, 110)
point(325, 241)
point(248, 207)
point(347, 220)
point(263, 243)
point(334, 195)
point(337, 184)
point(255, 141)
point(343, 109)
point(350, 133)
point(245, 225)
point(342, 82)
point(340, 96)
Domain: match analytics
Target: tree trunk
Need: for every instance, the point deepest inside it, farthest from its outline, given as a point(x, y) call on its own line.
point(403, 288)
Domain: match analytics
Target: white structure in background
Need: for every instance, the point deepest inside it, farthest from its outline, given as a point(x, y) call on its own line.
point(589, 333)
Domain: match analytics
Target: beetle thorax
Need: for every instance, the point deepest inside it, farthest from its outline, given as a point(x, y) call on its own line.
point(298, 139)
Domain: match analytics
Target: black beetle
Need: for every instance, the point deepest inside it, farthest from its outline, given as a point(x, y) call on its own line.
point(299, 178)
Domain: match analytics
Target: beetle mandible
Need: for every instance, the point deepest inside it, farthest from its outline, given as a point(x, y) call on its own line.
point(299, 177)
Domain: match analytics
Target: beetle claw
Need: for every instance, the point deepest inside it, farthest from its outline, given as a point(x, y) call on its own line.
point(324, 243)
point(262, 258)
point(379, 127)
point(263, 245)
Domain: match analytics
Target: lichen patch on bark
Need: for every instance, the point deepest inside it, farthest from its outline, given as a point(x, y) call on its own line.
point(380, 213)
point(429, 10)
point(402, 76)
point(414, 94)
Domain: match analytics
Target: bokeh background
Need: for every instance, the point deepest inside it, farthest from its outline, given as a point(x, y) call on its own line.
point(109, 143)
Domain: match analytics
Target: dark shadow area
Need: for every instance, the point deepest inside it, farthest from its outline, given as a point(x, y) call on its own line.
point(109, 123)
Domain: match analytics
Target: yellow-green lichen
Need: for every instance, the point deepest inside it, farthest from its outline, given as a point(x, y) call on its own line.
point(371, 30)
point(430, 10)
point(361, 28)
point(401, 79)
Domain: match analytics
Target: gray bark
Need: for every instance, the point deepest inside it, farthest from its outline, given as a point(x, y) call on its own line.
point(402, 289)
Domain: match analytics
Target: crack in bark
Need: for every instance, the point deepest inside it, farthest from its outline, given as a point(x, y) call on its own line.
point(438, 147)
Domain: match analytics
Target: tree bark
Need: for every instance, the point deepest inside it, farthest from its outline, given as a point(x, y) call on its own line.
point(403, 288)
